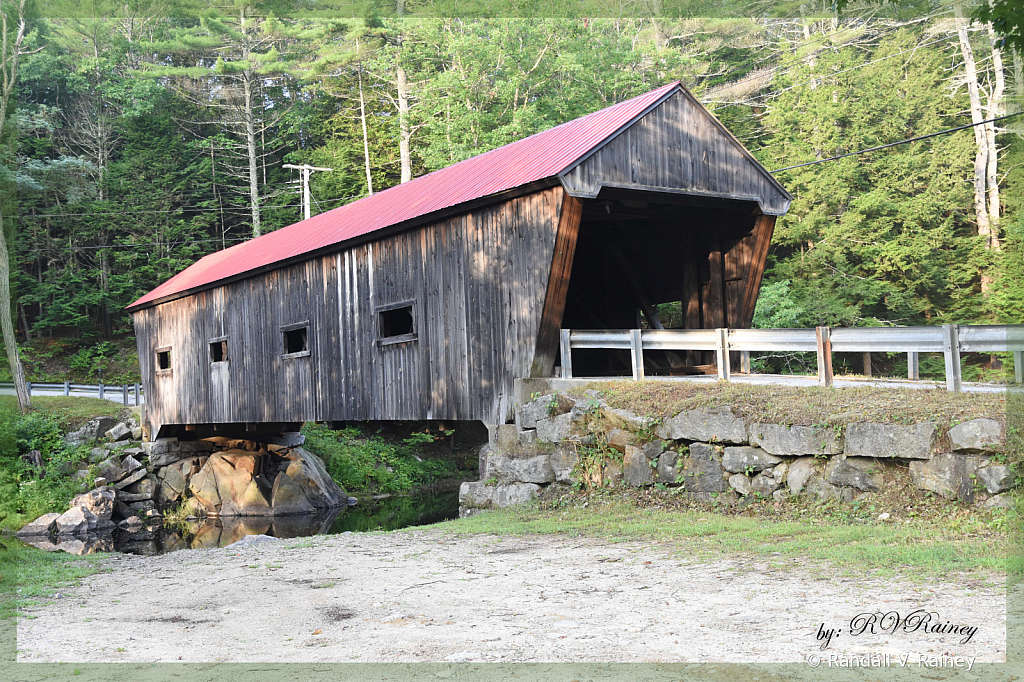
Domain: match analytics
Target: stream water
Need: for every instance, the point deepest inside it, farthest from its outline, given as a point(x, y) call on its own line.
point(384, 514)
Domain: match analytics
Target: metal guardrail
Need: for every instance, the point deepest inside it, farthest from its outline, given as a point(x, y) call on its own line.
point(131, 394)
point(950, 339)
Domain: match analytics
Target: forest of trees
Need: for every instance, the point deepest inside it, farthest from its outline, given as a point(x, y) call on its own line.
point(145, 134)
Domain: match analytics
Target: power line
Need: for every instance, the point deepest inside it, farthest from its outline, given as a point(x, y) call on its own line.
point(894, 144)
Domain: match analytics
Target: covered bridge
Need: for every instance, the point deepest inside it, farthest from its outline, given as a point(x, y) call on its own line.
point(426, 300)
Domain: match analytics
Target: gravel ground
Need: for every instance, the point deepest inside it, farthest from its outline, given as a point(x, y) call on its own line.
point(423, 595)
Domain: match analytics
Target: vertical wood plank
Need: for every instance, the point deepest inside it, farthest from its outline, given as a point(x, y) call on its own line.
point(569, 216)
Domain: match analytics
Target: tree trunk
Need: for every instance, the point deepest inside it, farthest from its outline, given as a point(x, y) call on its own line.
point(9, 54)
point(7, 325)
point(108, 327)
point(995, 108)
point(403, 124)
point(250, 141)
point(366, 139)
point(24, 323)
point(980, 139)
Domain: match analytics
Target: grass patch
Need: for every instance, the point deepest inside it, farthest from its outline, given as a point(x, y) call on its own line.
point(69, 411)
point(805, 406)
point(805, 531)
point(24, 495)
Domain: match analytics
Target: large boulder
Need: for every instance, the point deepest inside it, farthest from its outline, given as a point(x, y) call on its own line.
point(475, 495)
point(135, 472)
point(118, 432)
point(309, 471)
point(99, 502)
point(79, 520)
point(890, 440)
point(823, 490)
point(721, 426)
point(553, 429)
point(288, 497)
point(42, 526)
point(997, 478)
point(637, 469)
point(563, 464)
point(948, 474)
point(800, 472)
point(668, 468)
point(861, 473)
point(741, 484)
point(744, 459)
point(111, 470)
point(91, 431)
point(702, 472)
point(624, 419)
point(167, 451)
point(777, 439)
point(977, 435)
point(512, 469)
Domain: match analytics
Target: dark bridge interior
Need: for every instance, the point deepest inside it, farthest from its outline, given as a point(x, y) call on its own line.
point(656, 260)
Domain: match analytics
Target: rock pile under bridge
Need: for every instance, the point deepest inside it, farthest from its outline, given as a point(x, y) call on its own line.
point(134, 483)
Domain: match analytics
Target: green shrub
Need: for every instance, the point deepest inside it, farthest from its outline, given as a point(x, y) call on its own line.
point(366, 462)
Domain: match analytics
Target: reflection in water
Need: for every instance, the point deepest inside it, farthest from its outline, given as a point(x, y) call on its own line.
point(388, 514)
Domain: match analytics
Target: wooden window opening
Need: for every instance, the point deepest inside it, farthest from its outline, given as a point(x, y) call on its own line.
point(163, 360)
point(295, 340)
point(396, 323)
point(219, 349)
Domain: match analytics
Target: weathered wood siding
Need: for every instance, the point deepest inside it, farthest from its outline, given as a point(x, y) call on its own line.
point(677, 147)
point(477, 282)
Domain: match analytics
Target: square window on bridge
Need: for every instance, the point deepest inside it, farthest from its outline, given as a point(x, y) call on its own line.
point(296, 339)
point(218, 350)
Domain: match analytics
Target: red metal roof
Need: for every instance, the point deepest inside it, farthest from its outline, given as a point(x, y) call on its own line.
point(534, 158)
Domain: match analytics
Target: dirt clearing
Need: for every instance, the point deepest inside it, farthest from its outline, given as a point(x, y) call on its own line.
point(426, 595)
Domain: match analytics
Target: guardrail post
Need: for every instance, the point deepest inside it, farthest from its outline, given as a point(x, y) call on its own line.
point(29, 384)
point(913, 366)
point(101, 390)
point(67, 388)
point(1018, 366)
point(867, 364)
point(745, 361)
point(823, 337)
point(722, 351)
point(636, 349)
point(951, 352)
point(136, 395)
point(564, 345)
point(124, 395)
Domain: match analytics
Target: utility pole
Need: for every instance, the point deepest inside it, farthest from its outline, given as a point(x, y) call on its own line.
point(306, 171)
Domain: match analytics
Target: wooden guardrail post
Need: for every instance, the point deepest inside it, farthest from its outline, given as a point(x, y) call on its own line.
point(822, 336)
point(913, 366)
point(636, 349)
point(566, 351)
point(1018, 366)
point(867, 364)
point(722, 353)
point(124, 395)
point(136, 395)
point(745, 362)
point(951, 353)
